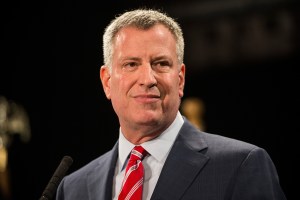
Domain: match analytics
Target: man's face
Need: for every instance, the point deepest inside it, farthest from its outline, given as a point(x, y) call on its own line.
point(146, 81)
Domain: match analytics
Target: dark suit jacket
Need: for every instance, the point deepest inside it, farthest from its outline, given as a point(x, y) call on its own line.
point(200, 166)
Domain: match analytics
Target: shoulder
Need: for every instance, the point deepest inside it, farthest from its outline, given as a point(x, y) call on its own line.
point(227, 143)
point(233, 150)
point(81, 174)
point(214, 142)
point(75, 185)
point(216, 145)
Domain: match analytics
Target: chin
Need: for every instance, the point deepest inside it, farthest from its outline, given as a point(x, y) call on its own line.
point(148, 119)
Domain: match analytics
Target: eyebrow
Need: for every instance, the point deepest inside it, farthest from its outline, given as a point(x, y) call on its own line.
point(131, 58)
point(153, 58)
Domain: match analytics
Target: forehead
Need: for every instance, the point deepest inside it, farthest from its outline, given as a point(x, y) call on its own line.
point(132, 31)
point(131, 36)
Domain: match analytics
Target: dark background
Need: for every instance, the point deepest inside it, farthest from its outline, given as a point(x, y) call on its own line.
point(241, 59)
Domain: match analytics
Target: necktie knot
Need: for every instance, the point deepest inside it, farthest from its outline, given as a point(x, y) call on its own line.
point(138, 153)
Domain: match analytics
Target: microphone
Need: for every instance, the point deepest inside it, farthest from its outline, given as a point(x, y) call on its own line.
point(59, 173)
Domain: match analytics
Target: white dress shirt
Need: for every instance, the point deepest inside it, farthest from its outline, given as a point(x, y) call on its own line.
point(158, 150)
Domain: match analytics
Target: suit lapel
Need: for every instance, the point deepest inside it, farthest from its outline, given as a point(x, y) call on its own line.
point(182, 165)
point(100, 180)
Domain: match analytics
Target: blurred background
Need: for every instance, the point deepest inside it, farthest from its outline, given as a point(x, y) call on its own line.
point(241, 58)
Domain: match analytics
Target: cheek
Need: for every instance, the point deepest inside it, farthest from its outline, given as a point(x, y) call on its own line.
point(115, 89)
point(170, 87)
point(119, 86)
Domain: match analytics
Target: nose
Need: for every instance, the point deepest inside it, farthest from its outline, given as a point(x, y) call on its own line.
point(147, 76)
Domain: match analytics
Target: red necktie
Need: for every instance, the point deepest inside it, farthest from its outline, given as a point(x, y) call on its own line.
point(132, 186)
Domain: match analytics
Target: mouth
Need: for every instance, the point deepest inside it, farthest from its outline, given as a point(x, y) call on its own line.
point(147, 98)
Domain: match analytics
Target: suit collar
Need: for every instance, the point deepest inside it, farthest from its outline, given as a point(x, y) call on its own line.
point(100, 180)
point(183, 164)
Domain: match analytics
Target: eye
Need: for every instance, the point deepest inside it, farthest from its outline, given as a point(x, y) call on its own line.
point(130, 66)
point(161, 66)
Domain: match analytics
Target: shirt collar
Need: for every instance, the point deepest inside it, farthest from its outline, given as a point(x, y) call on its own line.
point(158, 148)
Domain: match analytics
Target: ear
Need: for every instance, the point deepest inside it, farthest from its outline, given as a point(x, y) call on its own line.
point(105, 80)
point(181, 80)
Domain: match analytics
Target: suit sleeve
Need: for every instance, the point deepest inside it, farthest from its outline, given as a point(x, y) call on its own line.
point(60, 192)
point(257, 178)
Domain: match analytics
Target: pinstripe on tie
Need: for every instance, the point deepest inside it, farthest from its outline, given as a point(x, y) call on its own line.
point(132, 186)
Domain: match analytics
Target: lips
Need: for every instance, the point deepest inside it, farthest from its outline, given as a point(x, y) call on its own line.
point(147, 98)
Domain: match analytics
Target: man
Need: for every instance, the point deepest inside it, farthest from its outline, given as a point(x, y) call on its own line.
point(144, 75)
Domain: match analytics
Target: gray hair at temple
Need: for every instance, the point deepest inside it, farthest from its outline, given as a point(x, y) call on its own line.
point(142, 19)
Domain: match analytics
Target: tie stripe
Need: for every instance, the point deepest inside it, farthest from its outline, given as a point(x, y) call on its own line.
point(130, 170)
point(134, 188)
point(133, 179)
